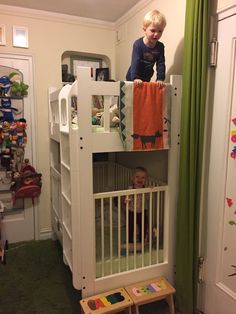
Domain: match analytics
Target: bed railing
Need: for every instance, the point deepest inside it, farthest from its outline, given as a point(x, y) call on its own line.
point(116, 252)
point(110, 176)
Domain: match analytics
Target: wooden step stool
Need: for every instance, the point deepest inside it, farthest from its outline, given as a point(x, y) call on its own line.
point(112, 301)
point(151, 290)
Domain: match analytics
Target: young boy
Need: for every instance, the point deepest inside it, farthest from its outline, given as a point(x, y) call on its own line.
point(139, 181)
point(148, 51)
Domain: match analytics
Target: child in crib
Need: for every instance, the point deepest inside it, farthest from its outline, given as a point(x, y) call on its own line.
point(148, 51)
point(139, 181)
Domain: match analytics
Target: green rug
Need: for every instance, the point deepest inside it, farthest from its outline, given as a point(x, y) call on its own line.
point(35, 280)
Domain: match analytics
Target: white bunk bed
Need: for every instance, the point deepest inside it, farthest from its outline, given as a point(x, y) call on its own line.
point(88, 215)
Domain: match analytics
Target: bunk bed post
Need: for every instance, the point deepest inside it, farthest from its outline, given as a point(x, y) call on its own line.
point(173, 166)
point(84, 180)
point(75, 213)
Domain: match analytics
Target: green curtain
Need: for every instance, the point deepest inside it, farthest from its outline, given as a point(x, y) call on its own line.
point(191, 151)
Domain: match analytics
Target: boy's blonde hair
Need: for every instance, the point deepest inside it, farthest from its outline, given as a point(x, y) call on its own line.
point(154, 17)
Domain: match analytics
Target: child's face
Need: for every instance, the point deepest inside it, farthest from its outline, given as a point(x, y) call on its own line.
point(139, 179)
point(153, 33)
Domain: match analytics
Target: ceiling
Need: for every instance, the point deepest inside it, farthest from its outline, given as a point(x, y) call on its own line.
point(106, 10)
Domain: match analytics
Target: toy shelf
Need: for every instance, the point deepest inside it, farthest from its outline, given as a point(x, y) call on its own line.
point(11, 97)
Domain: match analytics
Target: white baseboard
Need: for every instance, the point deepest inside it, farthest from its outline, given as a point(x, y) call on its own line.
point(45, 234)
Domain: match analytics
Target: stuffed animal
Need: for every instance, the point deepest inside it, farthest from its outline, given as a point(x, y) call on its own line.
point(19, 136)
point(5, 107)
point(114, 116)
point(18, 88)
point(18, 158)
point(5, 85)
point(6, 159)
point(5, 134)
point(96, 116)
point(26, 183)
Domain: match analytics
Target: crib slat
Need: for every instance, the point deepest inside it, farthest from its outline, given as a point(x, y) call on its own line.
point(157, 225)
point(102, 234)
point(166, 228)
point(135, 229)
point(111, 234)
point(150, 228)
point(119, 235)
point(143, 218)
point(127, 237)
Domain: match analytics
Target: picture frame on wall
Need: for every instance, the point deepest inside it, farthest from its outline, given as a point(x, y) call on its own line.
point(102, 74)
point(20, 36)
point(93, 63)
point(2, 35)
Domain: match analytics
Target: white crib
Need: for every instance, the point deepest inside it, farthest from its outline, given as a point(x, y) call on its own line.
point(88, 214)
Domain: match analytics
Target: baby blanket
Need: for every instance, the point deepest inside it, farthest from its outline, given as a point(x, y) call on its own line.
point(144, 116)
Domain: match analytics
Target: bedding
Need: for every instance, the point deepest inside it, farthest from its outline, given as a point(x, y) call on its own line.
point(120, 264)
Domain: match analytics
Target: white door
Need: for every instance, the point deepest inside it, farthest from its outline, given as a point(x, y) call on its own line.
point(220, 268)
point(20, 225)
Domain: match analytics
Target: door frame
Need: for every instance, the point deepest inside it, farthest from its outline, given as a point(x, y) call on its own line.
point(31, 124)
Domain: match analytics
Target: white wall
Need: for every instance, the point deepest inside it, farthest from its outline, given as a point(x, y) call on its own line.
point(221, 4)
point(48, 39)
point(130, 28)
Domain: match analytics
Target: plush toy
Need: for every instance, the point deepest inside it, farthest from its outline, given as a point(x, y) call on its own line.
point(114, 116)
point(96, 116)
point(27, 183)
point(6, 159)
point(18, 88)
point(18, 158)
point(6, 135)
point(5, 107)
point(7, 110)
point(5, 85)
point(19, 136)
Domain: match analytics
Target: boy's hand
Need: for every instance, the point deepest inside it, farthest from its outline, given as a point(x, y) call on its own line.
point(138, 82)
point(160, 83)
